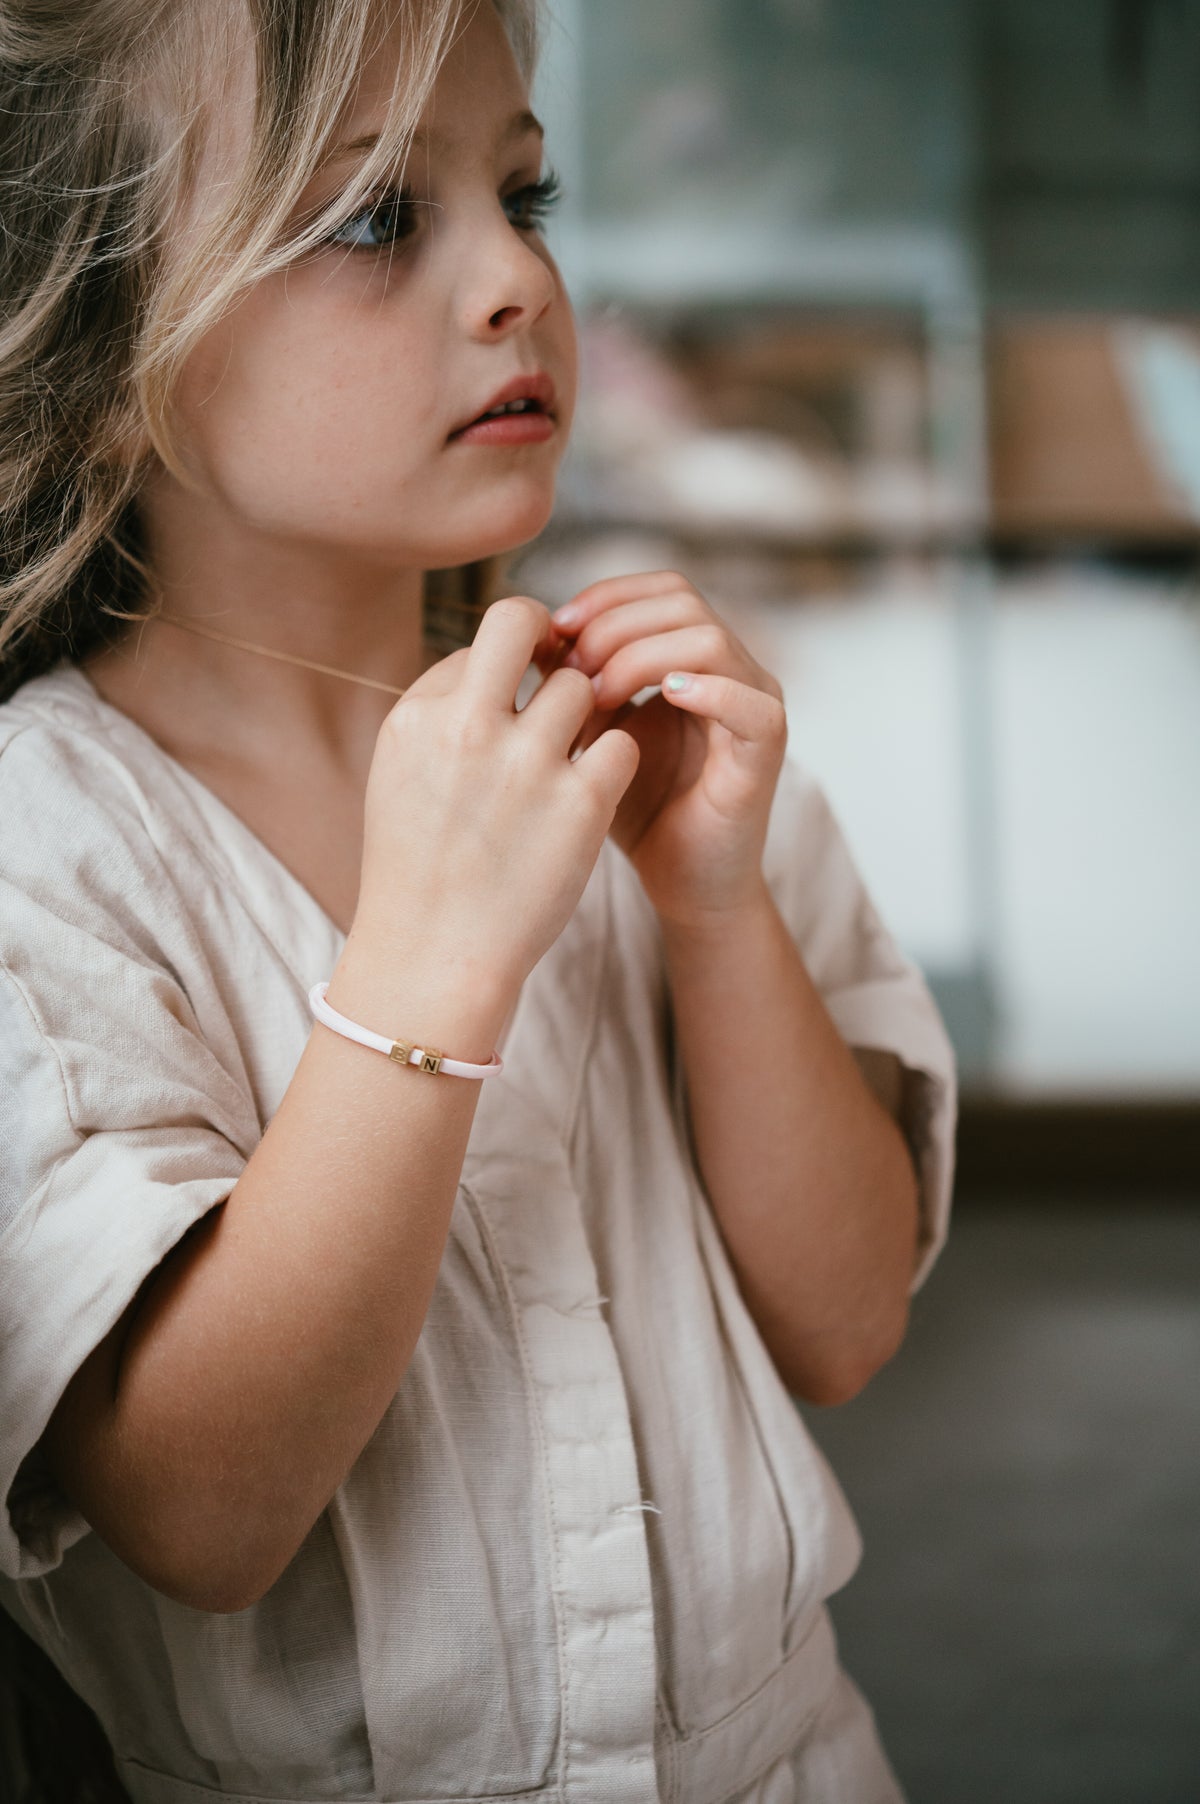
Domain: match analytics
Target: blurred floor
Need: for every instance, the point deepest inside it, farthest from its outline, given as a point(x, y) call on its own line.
point(1026, 1474)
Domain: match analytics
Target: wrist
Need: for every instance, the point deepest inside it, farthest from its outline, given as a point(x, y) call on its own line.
point(708, 928)
point(425, 998)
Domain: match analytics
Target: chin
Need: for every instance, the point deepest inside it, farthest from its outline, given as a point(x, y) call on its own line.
point(507, 530)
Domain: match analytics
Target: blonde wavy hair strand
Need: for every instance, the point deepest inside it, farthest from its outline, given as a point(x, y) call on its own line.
point(108, 106)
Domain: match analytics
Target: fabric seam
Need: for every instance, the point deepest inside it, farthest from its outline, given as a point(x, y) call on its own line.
point(571, 1113)
point(547, 1487)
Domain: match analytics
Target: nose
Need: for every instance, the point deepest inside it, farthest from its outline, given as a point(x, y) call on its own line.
point(511, 281)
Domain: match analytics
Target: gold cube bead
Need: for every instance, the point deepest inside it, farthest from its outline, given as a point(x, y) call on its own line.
point(430, 1059)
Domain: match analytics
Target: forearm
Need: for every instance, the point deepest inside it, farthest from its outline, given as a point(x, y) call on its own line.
point(809, 1177)
point(204, 1440)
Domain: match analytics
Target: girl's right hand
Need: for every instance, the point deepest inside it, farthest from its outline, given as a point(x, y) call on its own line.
point(479, 832)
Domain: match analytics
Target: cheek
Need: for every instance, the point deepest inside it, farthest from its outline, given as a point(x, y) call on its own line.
point(295, 408)
point(568, 362)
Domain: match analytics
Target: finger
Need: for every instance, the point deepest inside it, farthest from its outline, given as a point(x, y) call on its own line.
point(610, 590)
point(708, 647)
point(601, 720)
point(609, 765)
point(508, 634)
point(756, 722)
point(605, 633)
point(551, 652)
point(559, 709)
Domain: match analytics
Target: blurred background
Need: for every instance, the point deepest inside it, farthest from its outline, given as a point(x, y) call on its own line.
point(890, 324)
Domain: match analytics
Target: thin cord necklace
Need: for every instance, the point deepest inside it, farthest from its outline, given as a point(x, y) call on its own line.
point(268, 651)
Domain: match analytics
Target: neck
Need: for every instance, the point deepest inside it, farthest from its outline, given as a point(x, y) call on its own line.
point(202, 696)
point(284, 657)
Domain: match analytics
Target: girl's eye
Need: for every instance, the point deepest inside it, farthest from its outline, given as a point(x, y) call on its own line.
point(391, 216)
point(385, 220)
point(540, 198)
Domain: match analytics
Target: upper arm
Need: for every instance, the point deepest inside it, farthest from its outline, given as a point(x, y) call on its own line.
point(80, 1446)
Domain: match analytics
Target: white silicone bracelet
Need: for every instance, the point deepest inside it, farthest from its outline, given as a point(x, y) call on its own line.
point(426, 1058)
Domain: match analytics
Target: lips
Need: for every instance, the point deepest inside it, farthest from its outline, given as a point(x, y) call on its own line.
point(536, 386)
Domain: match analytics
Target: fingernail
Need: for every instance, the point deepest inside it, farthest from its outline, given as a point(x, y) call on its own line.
point(566, 616)
point(596, 684)
point(677, 681)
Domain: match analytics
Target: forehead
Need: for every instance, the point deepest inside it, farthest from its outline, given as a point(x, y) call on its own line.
point(478, 104)
point(521, 123)
point(476, 109)
point(479, 90)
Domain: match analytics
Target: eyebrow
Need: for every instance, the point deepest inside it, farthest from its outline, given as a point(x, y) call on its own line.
point(518, 125)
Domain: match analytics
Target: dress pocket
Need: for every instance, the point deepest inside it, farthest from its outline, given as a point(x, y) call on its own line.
point(723, 1564)
point(798, 1541)
point(147, 1785)
point(823, 1541)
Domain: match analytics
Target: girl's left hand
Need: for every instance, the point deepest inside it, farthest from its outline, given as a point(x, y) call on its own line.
point(694, 820)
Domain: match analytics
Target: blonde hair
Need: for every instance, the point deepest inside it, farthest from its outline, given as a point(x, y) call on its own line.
point(107, 108)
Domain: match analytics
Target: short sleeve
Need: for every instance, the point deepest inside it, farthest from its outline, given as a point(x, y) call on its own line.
point(875, 995)
point(119, 1129)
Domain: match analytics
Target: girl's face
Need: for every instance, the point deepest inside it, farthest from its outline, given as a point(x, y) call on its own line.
point(319, 411)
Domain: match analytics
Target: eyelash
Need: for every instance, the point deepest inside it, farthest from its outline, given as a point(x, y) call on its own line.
point(540, 196)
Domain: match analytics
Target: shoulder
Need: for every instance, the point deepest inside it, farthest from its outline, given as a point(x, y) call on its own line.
point(97, 939)
point(78, 828)
point(106, 994)
point(56, 743)
point(804, 835)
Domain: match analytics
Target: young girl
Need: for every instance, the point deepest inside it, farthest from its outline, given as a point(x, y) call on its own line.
point(370, 1429)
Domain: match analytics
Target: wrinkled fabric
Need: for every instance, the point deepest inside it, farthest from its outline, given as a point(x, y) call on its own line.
point(586, 1554)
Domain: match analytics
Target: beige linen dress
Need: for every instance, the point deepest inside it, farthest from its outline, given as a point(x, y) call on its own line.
point(585, 1555)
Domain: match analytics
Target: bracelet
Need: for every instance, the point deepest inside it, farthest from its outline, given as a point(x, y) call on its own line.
point(426, 1058)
